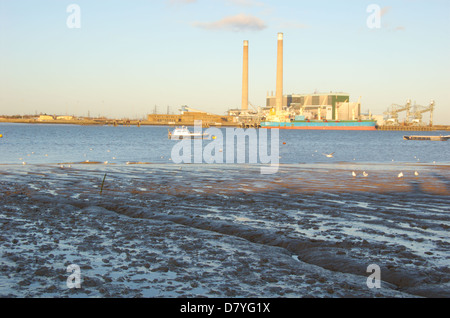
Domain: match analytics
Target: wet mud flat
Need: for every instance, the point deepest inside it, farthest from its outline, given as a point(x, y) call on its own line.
point(224, 230)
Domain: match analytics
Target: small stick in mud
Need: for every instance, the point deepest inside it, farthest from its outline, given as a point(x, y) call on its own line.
point(103, 182)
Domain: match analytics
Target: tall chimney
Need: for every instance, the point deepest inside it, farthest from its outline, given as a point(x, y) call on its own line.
point(279, 92)
point(245, 78)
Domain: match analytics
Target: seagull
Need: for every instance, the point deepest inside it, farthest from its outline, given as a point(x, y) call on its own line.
point(329, 155)
point(416, 173)
point(354, 174)
point(400, 175)
point(365, 174)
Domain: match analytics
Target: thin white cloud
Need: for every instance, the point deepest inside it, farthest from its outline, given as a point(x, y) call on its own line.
point(240, 22)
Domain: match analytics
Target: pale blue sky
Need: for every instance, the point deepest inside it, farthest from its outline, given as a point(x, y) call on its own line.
point(130, 55)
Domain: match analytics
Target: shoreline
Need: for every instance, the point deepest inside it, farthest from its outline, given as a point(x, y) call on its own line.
point(252, 237)
point(124, 122)
point(109, 122)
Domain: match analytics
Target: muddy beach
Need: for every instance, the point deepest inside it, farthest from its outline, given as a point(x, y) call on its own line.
point(167, 230)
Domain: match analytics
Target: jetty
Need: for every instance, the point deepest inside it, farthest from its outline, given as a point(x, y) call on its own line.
point(431, 138)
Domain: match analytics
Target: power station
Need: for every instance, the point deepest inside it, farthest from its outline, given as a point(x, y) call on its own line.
point(332, 111)
point(317, 111)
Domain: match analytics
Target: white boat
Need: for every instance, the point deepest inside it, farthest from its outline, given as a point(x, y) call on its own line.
point(183, 132)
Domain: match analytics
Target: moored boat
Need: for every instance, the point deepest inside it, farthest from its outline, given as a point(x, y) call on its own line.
point(184, 133)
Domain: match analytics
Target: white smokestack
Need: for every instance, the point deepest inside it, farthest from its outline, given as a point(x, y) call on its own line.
point(279, 92)
point(245, 78)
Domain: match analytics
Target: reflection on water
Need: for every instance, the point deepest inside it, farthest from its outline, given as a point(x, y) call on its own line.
point(149, 144)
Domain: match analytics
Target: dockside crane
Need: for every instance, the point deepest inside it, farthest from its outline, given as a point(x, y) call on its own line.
point(395, 109)
point(419, 110)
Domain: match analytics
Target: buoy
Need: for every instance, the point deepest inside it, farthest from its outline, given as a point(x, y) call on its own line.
point(1, 136)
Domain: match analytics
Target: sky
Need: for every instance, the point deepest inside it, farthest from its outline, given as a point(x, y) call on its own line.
point(126, 58)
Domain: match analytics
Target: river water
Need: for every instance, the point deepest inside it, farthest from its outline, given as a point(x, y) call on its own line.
point(113, 201)
point(38, 144)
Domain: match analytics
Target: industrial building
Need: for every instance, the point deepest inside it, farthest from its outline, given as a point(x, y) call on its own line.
point(330, 106)
point(188, 116)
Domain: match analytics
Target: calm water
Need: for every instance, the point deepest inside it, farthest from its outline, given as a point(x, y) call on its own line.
point(43, 144)
point(228, 224)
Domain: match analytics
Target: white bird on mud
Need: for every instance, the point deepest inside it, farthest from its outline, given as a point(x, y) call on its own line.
point(416, 173)
point(330, 155)
point(365, 174)
point(400, 175)
point(354, 173)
